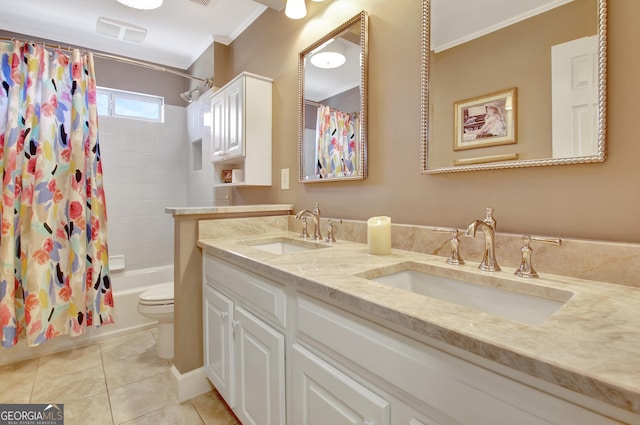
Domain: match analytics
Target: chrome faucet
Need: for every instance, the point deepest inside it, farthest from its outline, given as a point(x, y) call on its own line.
point(315, 216)
point(489, 263)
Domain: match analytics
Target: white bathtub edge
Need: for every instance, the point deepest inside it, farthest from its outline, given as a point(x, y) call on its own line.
point(22, 352)
point(127, 286)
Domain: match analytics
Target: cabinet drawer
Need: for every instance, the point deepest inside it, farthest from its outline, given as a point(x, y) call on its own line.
point(263, 296)
point(323, 395)
point(441, 381)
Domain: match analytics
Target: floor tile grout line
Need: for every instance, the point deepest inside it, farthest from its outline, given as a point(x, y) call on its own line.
point(106, 385)
point(202, 421)
point(35, 378)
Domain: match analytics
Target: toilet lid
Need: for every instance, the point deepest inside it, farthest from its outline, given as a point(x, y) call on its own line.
point(161, 293)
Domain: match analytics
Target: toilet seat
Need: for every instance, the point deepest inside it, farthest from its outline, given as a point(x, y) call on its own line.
point(160, 295)
point(157, 304)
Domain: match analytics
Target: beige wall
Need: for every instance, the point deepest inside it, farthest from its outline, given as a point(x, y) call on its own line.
point(595, 201)
point(211, 64)
point(124, 76)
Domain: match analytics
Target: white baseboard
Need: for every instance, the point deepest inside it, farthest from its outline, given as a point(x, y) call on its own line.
point(186, 386)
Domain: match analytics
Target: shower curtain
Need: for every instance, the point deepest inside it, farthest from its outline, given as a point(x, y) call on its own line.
point(54, 271)
point(336, 143)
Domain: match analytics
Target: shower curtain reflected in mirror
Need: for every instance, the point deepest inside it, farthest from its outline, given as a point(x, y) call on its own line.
point(336, 143)
point(54, 271)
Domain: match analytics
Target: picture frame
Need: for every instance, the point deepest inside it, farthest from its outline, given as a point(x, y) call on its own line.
point(226, 176)
point(488, 120)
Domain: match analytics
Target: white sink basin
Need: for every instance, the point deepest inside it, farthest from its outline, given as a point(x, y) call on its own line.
point(525, 307)
point(284, 245)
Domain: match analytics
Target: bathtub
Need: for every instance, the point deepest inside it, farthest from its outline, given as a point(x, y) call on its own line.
point(127, 286)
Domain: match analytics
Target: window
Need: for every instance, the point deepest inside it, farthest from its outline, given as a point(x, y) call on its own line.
point(126, 104)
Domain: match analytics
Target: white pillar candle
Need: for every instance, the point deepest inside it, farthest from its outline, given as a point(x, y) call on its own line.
point(379, 235)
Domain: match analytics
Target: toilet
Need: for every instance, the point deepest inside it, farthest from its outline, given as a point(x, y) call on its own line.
point(157, 304)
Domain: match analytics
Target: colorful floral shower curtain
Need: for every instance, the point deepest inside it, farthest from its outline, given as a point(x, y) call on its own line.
point(54, 271)
point(336, 143)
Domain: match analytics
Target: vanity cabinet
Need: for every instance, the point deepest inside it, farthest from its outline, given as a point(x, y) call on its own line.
point(422, 384)
point(241, 118)
point(267, 341)
point(244, 342)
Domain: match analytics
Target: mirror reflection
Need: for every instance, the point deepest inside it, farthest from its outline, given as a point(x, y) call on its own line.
point(332, 124)
point(513, 84)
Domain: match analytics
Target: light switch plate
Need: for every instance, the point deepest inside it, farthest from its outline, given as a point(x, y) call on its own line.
point(284, 179)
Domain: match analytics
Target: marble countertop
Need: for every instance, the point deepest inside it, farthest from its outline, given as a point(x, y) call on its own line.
point(175, 211)
point(591, 345)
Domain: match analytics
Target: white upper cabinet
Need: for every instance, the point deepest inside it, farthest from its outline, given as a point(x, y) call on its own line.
point(241, 114)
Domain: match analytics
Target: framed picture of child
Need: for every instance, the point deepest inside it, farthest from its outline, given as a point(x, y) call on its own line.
point(488, 120)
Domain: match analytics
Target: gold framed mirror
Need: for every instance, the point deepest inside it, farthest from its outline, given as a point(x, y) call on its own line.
point(553, 53)
point(332, 118)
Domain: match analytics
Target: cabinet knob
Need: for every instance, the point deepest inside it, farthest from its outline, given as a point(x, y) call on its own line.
point(223, 314)
point(235, 324)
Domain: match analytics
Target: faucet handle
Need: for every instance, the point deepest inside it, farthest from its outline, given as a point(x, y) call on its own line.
point(331, 231)
point(454, 258)
point(526, 267)
point(305, 233)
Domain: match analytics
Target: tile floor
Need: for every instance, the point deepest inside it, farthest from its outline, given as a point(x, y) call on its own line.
point(118, 381)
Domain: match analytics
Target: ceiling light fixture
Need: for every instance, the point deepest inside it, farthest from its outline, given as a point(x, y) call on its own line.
point(329, 55)
point(295, 9)
point(142, 4)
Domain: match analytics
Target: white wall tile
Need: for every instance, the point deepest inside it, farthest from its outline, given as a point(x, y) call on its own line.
point(144, 167)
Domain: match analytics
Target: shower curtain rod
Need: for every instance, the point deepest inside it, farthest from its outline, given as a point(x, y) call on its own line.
point(207, 81)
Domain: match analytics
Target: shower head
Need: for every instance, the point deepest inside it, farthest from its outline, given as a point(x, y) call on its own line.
point(188, 96)
point(191, 95)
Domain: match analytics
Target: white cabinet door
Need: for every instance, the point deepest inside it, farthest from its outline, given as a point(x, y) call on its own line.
point(218, 130)
point(323, 395)
point(259, 371)
point(227, 109)
point(235, 119)
point(218, 342)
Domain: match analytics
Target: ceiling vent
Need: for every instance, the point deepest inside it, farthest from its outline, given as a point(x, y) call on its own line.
point(205, 3)
point(120, 30)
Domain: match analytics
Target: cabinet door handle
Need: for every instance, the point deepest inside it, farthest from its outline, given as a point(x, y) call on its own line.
point(223, 315)
point(235, 324)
